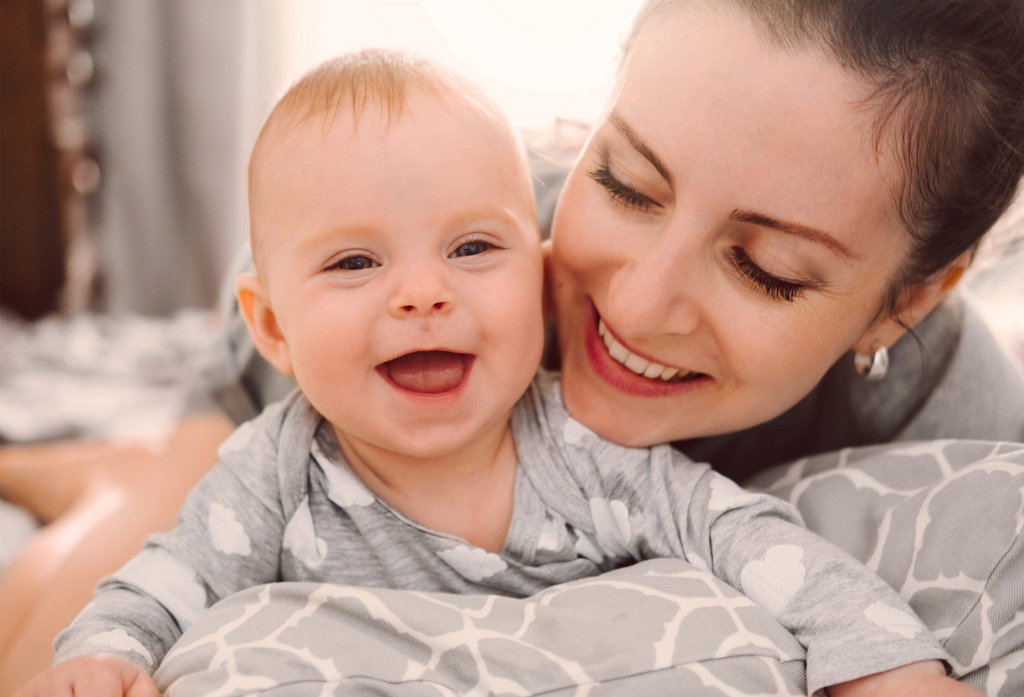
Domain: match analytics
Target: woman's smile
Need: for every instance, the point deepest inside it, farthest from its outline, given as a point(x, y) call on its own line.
point(624, 368)
point(639, 364)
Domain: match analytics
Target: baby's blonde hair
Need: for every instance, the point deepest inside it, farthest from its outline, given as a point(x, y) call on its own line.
point(353, 82)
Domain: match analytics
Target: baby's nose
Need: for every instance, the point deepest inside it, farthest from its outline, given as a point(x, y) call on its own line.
point(422, 292)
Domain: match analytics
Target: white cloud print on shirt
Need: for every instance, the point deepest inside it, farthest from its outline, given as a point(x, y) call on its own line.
point(226, 532)
point(612, 532)
point(301, 540)
point(727, 495)
point(239, 440)
point(893, 620)
point(773, 582)
point(343, 488)
point(473, 563)
point(119, 640)
point(573, 432)
point(168, 579)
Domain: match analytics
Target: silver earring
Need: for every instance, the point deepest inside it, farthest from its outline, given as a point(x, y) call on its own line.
point(873, 367)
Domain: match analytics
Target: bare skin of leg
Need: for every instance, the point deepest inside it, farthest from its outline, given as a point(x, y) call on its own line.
point(99, 501)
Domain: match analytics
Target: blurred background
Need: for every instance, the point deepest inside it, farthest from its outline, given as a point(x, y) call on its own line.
point(126, 127)
point(127, 123)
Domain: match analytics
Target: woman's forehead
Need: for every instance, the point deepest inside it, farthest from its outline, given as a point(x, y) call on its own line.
point(782, 131)
point(726, 53)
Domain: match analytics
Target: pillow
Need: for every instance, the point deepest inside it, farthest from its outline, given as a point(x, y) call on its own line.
point(941, 522)
point(661, 627)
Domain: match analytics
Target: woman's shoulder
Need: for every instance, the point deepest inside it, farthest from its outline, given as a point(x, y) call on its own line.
point(980, 394)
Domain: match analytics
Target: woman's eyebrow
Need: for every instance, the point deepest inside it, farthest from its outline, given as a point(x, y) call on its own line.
point(792, 229)
point(804, 231)
point(639, 145)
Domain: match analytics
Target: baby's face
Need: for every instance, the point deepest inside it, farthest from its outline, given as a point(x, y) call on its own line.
point(403, 266)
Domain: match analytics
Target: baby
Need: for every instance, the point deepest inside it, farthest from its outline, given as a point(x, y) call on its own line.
point(399, 279)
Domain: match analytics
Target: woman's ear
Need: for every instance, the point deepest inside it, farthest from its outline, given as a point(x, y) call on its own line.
point(259, 316)
point(915, 304)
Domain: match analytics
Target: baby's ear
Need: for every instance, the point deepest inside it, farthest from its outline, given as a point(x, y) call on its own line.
point(259, 316)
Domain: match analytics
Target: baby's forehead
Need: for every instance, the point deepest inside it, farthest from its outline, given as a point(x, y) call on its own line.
point(311, 136)
point(303, 129)
point(426, 110)
point(418, 106)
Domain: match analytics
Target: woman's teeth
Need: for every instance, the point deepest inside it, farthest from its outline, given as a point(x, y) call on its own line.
point(640, 366)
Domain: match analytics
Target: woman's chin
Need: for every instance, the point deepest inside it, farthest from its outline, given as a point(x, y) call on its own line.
point(605, 414)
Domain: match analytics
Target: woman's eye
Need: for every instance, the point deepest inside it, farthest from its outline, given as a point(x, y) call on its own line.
point(356, 262)
point(471, 249)
point(772, 286)
point(619, 192)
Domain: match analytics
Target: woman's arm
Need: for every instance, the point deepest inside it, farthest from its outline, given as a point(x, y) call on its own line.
point(100, 501)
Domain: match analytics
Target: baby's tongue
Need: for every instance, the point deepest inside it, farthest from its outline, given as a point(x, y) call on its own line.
point(428, 371)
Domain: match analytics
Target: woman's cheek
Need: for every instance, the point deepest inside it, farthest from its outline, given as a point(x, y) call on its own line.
point(568, 251)
point(786, 352)
point(588, 246)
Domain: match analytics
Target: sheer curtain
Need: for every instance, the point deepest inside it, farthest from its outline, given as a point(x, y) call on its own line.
point(182, 88)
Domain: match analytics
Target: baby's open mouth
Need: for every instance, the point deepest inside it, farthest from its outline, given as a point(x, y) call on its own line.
point(638, 365)
point(428, 372)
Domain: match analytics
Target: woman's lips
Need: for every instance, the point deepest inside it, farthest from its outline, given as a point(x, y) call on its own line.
point(628, 372)
point(638, 364)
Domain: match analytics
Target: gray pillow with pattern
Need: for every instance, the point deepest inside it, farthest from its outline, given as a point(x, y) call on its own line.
point(940, 521)
point(661, 627)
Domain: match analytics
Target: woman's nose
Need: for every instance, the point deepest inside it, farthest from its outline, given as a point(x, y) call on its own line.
point(657, 290)
point(421, 291)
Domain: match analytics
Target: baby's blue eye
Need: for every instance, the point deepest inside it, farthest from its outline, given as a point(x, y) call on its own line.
point(356, 263)
point(470, 249)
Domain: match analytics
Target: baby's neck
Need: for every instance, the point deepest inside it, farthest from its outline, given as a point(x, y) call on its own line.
point(468, 494)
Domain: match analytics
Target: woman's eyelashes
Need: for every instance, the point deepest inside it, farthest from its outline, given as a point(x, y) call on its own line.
point(623, 194)
point(619, 192)
point(772, 286)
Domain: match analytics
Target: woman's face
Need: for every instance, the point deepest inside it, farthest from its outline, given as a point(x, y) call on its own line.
point(725, 237)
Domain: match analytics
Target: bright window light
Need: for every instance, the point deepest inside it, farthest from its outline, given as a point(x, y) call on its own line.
point(540, 59)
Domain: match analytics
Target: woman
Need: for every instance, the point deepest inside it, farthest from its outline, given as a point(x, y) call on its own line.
point(773, 186)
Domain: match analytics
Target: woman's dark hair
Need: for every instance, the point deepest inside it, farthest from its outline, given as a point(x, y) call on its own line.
point(946, 80)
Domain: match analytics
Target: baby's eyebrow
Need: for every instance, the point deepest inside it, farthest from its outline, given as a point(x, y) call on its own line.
point(485, 211)
point(807, 233)
point(639, 145)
